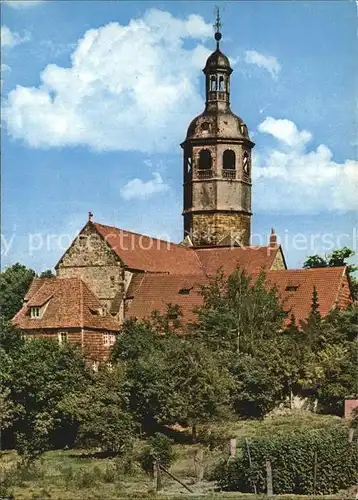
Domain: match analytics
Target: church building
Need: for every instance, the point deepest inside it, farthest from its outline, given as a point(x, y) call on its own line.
point(110, 274)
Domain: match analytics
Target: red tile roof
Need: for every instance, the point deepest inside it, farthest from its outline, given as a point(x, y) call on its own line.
point(250, 259)
point(67, 303)
point(153, 292)
point(143, 253)
point(295, 288)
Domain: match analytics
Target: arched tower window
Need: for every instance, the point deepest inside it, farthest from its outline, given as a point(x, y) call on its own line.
point(204, 159)
point(229, 159)
point(213, 82)
point(221, 83)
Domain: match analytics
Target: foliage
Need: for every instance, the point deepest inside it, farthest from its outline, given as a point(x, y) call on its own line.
point(47, 274)
point(39, 376)
point(14, 283)
point(159, 448)
point(171, 379)
point(293, 458)
point(237, 312)
point(101, 412)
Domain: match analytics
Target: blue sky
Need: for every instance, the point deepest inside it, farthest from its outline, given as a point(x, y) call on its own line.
point(97, 97)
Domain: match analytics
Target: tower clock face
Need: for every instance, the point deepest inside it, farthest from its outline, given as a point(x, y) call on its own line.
point(246, 163)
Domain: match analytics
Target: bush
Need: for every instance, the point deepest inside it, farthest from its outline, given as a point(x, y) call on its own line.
point(293, 464)
point(160, 448)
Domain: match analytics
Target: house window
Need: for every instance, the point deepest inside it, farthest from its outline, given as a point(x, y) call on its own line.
point(229, 159)
point(62, 337)
point(205, 159)
point(35, 312)
point(108, 339)
point(95, 366)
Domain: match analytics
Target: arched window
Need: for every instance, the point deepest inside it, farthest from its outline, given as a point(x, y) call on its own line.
point(213, 82)
point(221, 83)
point(229, 159)
point(204, 159)
point(246, 163)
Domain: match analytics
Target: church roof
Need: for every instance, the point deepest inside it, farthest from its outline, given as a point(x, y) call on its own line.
point(149, 292)
point(66, 303)
point(143, 253)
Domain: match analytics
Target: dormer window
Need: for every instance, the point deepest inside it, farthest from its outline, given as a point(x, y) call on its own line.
point(35, 312)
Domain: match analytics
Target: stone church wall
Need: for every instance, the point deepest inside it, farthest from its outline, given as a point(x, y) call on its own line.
point(92, 260)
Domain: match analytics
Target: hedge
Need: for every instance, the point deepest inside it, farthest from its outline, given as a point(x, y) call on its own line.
point(293, 459)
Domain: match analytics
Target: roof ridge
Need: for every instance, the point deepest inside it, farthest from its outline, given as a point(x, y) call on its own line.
point(141, 234)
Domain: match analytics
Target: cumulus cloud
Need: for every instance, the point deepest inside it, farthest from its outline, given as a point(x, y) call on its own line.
point(290, 178)
point(285, 131)
point(21, 4)
point(269, 63)
point(141, 190)
point(129, 87)
point(11, 38)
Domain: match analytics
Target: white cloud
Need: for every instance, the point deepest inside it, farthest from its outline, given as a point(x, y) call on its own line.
point(21, 4)
point(285, 131)
point(11, 38)
point(138, 189)
point(5, 68)
point(270, 63)
point(129, 87)
point(289, 178)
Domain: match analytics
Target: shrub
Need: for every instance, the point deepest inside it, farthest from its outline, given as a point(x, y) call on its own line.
point(159, 448)
point(293, 464)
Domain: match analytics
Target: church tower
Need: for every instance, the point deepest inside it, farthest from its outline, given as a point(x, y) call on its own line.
point(217, 164)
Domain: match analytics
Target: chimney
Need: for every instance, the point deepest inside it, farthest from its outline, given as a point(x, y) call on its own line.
point(273, 239)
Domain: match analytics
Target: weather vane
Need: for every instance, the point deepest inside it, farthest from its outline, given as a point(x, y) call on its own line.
point(217, 27)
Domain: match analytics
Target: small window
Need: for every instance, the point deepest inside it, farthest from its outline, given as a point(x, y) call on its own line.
point(95, 366)
point(62, 337)
point(246, 163)
point(213, 83)
point(185, 291)
point(221, 83)
point(108, 339)
point(35, 312)
point(188, 164)
point(291, 288)
point(205, 159)
point(229, 159)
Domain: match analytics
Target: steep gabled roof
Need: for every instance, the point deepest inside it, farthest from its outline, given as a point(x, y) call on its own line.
point(144, 253)
point(67, 303)
point(149, 292)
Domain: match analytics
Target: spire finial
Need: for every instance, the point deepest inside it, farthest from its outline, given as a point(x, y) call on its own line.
point(217, 27)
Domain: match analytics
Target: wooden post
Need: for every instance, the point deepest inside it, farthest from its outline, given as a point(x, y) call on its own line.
point(250, 462)
point(198, 465)
point(233, 447)
point(269, 478)
point(157, 483)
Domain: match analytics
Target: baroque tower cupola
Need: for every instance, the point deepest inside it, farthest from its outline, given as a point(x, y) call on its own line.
point(217, 164)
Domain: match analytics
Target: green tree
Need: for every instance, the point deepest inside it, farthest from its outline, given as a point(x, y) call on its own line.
point(238, 312)
point(48, 274)
point(14, 283)
point(41, 375)
point(102, 411)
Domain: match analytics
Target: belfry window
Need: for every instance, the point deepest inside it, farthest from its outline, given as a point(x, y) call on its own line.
point(246, 163)
point(204, 159)
point(213, 82)
point(221, 83)
point(229, 159)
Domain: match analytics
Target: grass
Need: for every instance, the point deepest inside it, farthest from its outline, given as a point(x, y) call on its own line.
point(76, 475)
